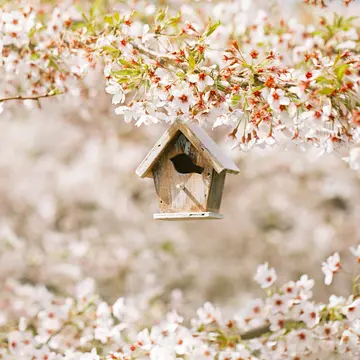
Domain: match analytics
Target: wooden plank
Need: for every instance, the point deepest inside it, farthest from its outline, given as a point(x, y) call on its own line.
point(181, 192)
point(144, 169)
point(216, 191)
point(206, 215)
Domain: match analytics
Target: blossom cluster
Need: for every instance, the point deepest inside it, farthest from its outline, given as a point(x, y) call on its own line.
point(287, 83)
point(71, 208)
point(287, 324)
point(271, 82)
point(323, 3)
point(40, 55)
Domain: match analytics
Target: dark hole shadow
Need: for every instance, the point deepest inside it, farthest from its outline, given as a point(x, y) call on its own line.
point(183, 164)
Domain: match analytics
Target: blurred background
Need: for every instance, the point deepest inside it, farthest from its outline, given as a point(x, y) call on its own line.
point(72, 208)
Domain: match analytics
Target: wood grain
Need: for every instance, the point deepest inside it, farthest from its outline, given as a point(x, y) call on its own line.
point(216, 191)
point(182, 192)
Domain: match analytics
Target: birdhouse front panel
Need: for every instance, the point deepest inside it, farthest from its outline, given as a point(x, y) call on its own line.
point(182, 177)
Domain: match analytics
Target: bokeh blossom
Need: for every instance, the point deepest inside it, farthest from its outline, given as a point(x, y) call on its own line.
point(85, 273)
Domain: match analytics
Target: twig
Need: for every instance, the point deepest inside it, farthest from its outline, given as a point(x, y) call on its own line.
point(34, 98)
point(161, 58)
point(255, 333)
point(265, 329)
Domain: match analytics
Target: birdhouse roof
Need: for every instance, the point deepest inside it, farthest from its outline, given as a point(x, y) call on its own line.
point(199, 139)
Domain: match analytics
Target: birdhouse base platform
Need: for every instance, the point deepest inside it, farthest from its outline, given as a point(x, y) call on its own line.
point(188, 216)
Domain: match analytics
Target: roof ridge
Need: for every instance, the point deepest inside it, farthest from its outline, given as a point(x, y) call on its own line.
point(199, 138)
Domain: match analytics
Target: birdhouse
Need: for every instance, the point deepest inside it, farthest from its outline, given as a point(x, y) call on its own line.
point(189, 171)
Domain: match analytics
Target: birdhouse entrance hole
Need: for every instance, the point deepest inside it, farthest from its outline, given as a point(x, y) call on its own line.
point(183, 164)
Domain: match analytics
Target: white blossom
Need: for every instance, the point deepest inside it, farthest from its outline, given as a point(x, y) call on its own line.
point(265, 276)
point(201, 80)
point(330, 267)
point(117, 91)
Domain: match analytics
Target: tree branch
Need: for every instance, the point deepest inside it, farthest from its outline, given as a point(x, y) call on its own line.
point(161, 58)
point(34, 98)
point(265, 329)
point(172, 60)
point(255, 333)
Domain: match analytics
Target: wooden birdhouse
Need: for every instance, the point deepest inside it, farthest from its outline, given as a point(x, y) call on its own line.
point(189, 171)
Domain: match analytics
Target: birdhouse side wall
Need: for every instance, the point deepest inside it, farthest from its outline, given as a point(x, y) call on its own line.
point(182, 192)
point(216, 191)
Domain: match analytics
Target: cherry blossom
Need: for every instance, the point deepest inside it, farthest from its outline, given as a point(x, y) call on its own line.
point(296, 84)
point(330, 267)
point(311, 329)
point(352, 311)
point(277, 98)
point(117, 91)
point(201, 80)
point(265, 276)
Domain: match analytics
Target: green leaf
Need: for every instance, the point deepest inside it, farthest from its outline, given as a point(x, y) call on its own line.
point(34, 56)
point(340, 71)
point(323, 80)
point(338, 57)
point(92, 13)
point(172, 21)
point(326, 91)
point(126, 63)
point(32, 32)
point(53, 64)
point(109, 19)
point(316, 33)
point(110, 49)
point(126, 72)
point(220, 87)
point(112, 19)
point(160, 15)
point(192, 61)
point(211, 28)
point(180, 75)
point(122, 80)
point(352, 18)
point(117, 17)
point(85, 18)
point(77, 25)
point(55, 92)
point(339, 21)
point(235, 100)
point(330, 29)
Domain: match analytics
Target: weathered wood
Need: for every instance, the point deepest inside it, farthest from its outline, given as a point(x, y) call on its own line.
point(144, 169)
point(207, 215)
point(199, 139)
point(216, 191)
point(181, 192)
point(189, 172)
point(207, 146)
